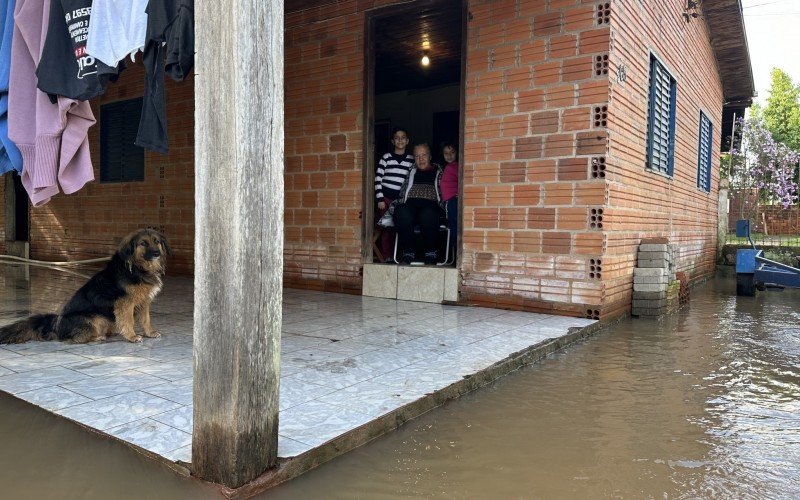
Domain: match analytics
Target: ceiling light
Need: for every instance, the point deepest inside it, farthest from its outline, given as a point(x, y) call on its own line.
point(425, 60)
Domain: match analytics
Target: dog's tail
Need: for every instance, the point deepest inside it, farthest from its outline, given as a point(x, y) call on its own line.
point(37, 327)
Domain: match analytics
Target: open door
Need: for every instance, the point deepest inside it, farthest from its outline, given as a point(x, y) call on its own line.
point(414, 60)
point(17, 217)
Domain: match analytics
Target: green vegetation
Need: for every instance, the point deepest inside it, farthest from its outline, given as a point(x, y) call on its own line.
point(782, 112)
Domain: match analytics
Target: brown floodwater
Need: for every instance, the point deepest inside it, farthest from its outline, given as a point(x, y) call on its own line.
point(705, 403)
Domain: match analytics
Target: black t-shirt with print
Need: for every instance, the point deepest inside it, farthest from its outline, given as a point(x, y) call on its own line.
point(65, 68)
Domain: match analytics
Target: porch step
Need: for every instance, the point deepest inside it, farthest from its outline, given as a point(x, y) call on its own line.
point(418, 283)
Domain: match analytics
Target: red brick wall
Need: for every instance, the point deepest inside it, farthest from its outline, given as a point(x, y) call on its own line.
point(324, 62)
point(531, 136)
point(641, 203)
point(323, 164)
point(554, 189)
point(91, 222)
point(780, 221)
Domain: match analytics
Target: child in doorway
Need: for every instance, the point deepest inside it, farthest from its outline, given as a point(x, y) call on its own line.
point(449, 186)
point(390, 175)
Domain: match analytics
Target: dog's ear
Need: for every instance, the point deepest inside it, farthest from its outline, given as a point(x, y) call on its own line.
point(128, 245)
point(164, 243)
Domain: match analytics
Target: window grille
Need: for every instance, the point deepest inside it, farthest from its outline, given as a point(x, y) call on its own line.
point(661, 119)
point(704, 153)
point(120, 159)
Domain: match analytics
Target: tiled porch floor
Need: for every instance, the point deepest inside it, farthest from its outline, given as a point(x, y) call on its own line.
point(345, 360)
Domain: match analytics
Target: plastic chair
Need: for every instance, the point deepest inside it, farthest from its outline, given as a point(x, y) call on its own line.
point(443, 227)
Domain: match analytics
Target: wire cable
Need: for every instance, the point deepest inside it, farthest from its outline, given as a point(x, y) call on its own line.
point(47, 263)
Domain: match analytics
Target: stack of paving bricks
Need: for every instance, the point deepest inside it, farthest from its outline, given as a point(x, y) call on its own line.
point(655, 290)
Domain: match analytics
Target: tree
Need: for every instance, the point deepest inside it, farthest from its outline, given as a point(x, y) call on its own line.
point(763, 169)
point(782, 112)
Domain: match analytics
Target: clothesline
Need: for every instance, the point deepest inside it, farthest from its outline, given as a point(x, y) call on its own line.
point(55, 55)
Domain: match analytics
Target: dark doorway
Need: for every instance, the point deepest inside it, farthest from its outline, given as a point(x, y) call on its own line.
point(424, 99)
point(20, 210)
point(446, 129)
point(16, 208)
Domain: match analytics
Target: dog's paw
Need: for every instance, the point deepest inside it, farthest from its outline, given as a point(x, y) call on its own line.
point(153, 335)
point(136, 339)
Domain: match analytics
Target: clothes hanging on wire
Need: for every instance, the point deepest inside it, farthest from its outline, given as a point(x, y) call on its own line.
point(118, 28)
point(65, 68)
point(52, 137)
point(169, 22)
point(10, 158)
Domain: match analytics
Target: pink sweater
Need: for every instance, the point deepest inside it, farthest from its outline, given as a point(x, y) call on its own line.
point(51, 137)
point(449, 181)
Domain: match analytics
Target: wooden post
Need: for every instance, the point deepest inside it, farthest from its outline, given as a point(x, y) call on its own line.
point(238, 238)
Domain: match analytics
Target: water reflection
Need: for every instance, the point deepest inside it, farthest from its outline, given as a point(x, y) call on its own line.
point(703, 404)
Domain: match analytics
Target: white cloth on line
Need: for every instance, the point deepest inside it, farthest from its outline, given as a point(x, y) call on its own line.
point(117, 28)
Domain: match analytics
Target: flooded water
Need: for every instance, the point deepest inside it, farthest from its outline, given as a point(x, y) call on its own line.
point(703, 404)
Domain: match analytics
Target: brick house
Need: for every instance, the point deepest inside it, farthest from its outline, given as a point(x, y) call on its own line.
point(584, 127)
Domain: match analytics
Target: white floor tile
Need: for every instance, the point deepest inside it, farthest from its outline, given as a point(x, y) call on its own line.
point(345, 360)
point(49, 377)
point(117, 410)
point(152, 435)
point(53, 398)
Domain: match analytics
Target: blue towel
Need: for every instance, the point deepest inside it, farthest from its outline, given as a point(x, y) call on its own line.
point(10, 159)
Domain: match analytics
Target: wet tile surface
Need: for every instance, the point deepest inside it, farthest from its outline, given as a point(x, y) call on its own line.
point(345, 360)
point(152, 435)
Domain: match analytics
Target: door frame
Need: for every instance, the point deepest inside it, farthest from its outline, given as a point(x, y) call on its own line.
point(368, 170)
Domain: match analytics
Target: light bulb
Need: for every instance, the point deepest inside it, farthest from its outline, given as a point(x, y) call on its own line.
point(425, 60)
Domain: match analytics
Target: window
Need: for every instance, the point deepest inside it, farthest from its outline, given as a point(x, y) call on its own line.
point(661, 119)
point(120, 159)
point(704, 153)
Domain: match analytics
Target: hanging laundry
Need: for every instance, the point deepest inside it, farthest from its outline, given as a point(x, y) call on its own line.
point(118, 28)
point(170, 22)
point(52, 137)
point(10, 158)
point(65, 68)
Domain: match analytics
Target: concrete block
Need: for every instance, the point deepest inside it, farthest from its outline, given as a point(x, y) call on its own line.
point(654, 255)
point(658, 263)
point(649, 295)
point(451, 281)
point(649, 304)
point(651, 279)
point(649, 271)
point(380, 280)
point(649, 287)
point(642, 311)
point(653, 247)
point(422, 284)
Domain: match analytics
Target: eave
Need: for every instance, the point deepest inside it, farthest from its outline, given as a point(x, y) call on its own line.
point(728, 38)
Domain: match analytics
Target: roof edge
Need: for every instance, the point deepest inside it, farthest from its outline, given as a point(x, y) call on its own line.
point(728, 38)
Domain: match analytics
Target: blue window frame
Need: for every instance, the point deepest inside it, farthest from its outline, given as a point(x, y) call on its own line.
point(704, 153)
point(661, 119)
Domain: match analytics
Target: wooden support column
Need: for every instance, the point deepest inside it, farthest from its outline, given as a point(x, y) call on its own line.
point(238, 237)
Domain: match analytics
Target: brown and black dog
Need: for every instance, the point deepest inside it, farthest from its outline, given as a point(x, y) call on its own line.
point(109, 301)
